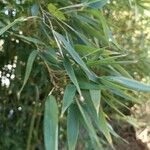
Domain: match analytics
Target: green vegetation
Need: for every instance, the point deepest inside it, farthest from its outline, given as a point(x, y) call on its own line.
point(68, 68)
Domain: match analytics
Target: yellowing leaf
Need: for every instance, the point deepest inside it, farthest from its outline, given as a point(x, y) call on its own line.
point(55, 12)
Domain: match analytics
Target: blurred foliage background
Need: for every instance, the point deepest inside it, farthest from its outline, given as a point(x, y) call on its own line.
point(89, 31)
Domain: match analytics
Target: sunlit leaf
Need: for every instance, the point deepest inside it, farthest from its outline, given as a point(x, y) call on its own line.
point(96, 97)
point(57, 13)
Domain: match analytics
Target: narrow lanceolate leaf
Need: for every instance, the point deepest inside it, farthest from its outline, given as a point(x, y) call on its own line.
point(123, 71)
point(125, 96)
point(29, 68)
point(100, 120)
point(75, 56)
point(89, 125)
point(72, 127)
point(104, 127)
point(113, 106)
point(68, 97)
point(130, 83)
point(86, 85)
point(51, 124)
point(7, 27)
point(97, 3)
point(29, 39)
point(111, 130)
point(71, 74)
point(95, 97)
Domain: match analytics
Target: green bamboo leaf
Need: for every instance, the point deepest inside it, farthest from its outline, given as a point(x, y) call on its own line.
point(103, 62)
point(118, 101)
point(107, 32)
point(68, 97)
point(86, 85)
point(51, 124)
point(7, 27)
point(126, 96)
point(112, 105)
point(88, 124)
point(130, 83)
point(71, 74)
point(104, 127)
point(72, 127)
point(75, 56)
point(95, 97)
point(123, 71)
point(28, 68)
point(118, 90)
point(35, 9)
point(99, 119)
point(92, 31)
point(84, 49)
point(133, 121)
point(106, 29)
point(111, 85)
point(97, 3)
point(49, 55)
point(29, 39)
point(111, 130)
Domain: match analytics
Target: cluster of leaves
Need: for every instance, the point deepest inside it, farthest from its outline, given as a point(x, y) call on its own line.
point(70, 50)
point(133, 33)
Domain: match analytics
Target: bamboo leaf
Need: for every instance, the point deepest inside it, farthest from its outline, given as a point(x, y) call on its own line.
point(99, 119)
point(130, 83)
point(112, 105)
point(30, 61)
point(97, 3)
point(95, 97)
point(29, 39)
point(104, 62)
point(51, 124)
point(111, 85)
point(72, 127)
point(104, 127)
point(75, 56)
point(88, 124)
point(71, 74)
point(126, 96)
point(7, 27)
point(35, 9)
point(57, 13)
point(68, 97)
point(86, 85)
point(123, 71)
